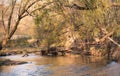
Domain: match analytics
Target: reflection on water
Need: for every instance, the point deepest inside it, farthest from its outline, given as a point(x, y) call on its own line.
point(70, 65)
point(27, 70)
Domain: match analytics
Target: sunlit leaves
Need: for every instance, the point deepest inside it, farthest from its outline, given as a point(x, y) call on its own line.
point(84, 22)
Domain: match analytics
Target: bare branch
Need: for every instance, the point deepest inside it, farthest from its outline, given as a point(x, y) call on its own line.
point(106, 32)
point(32, 4)
point(26, 8)
point(105, 37)
point(78, 7)
point(3, 22)
point(114, 41)
point(75, 6)
point(14, 28)
point(11, 14)
point(40, 8)
point(3, 13)
point(23, 8)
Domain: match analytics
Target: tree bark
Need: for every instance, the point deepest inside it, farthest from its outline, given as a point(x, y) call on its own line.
point(5, 41)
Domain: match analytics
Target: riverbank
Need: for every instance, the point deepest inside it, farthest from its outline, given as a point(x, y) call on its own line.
point(16, 51)
point(26, 51)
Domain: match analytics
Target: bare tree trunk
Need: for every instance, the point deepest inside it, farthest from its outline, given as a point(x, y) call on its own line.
point(5, 41)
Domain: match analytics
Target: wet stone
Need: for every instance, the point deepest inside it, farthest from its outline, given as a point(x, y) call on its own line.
point(10, 62)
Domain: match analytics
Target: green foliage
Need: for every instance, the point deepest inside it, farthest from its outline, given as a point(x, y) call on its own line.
point(48, 26)
point(54, 20)
point(90, 3)
point(18, 43)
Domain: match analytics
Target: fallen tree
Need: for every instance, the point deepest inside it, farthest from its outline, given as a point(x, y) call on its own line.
point(107, 36)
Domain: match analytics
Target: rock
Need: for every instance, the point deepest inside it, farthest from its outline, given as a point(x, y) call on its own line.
point(10, 62)
point(43, 52)
point(62, 52)
point(25, 55)
point(54, 53)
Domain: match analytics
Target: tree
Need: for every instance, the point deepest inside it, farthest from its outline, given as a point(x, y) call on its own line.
point(102, 23)
point(90, 16)
point(49, 23)
point(13, 11)
point(83, 17)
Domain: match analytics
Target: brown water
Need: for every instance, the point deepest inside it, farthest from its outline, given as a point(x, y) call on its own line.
point(70, 65)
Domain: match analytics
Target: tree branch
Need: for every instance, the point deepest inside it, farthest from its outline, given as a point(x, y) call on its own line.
point(10, 16)
point(22, 15)
point(32, 4)
point(78, 7)
point(40, 8)
point(23, 10)
point(14, 28)
point(75, 6)
point(27, 7)
point(3, 22)
point(105, 37)
point(106, 32)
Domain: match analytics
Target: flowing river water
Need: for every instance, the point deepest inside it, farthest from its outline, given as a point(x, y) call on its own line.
point(70, 65)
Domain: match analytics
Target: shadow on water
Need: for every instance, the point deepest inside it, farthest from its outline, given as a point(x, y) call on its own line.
point(70, 65)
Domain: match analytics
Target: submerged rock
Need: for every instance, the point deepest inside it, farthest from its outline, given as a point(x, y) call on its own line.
point(10, 62)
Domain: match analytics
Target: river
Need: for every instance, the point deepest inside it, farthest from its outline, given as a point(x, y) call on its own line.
point(69, 65)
